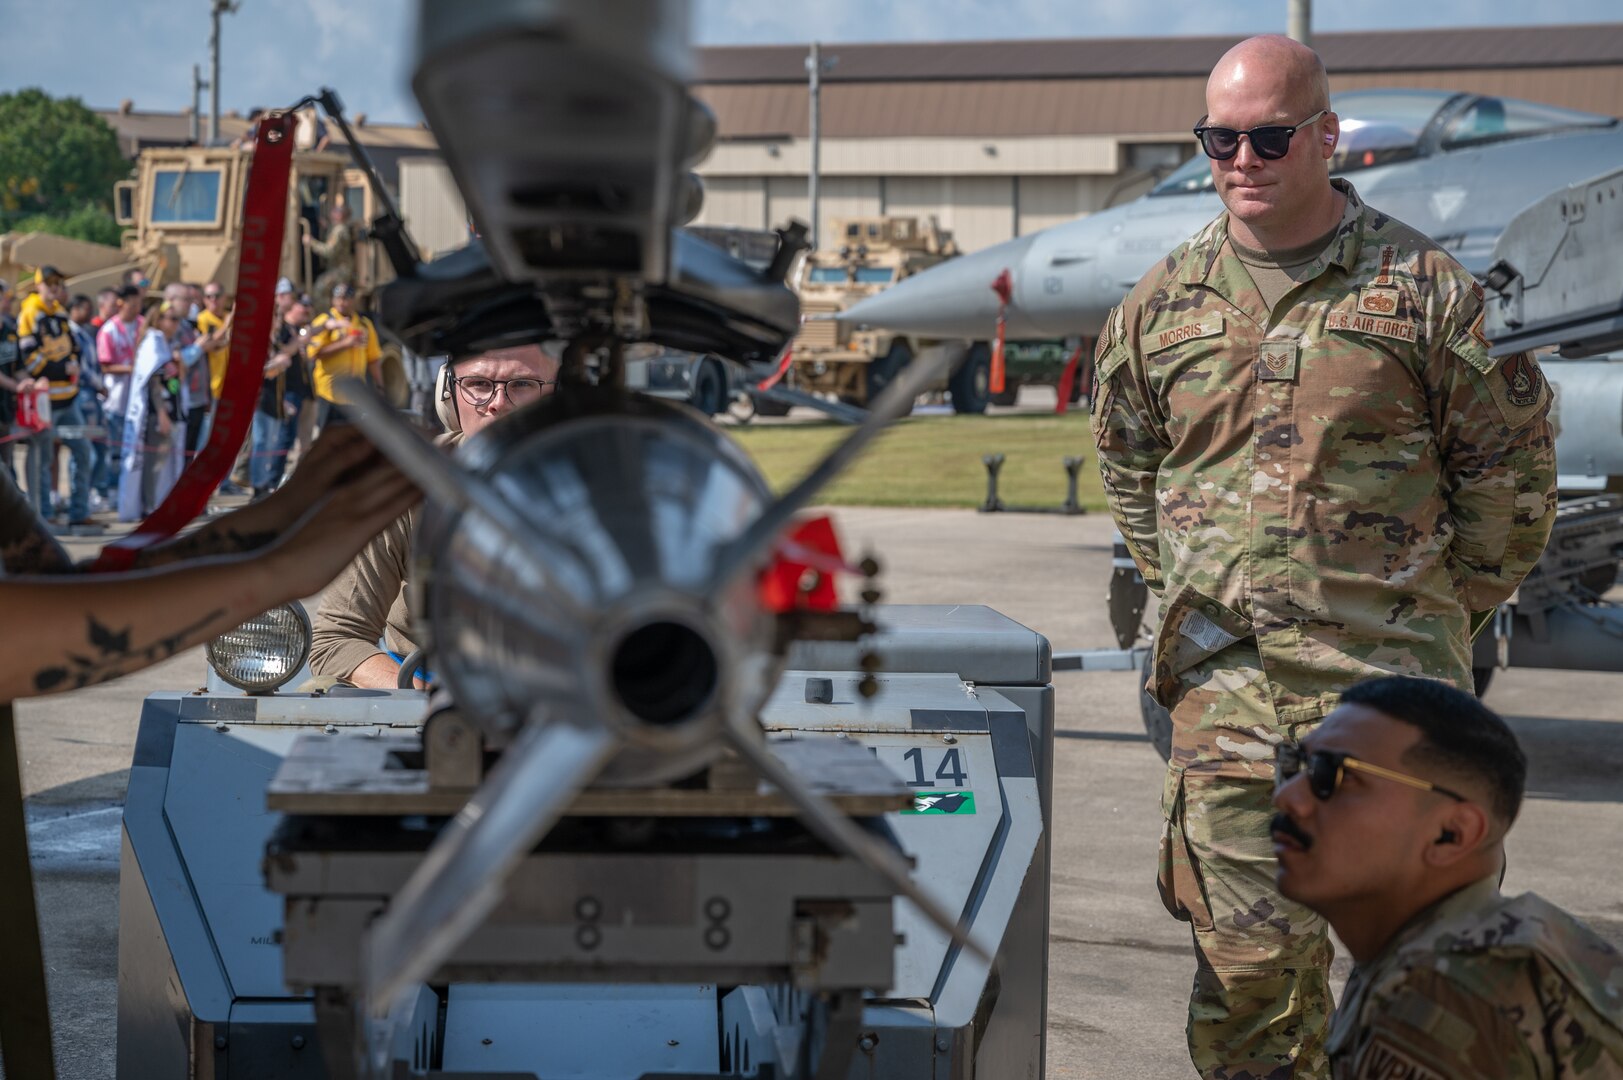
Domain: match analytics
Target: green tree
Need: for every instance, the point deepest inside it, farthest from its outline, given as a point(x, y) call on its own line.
point(86, 223)
point(58, 160)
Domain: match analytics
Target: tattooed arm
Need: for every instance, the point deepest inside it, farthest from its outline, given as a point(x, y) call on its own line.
point(333, 459)
point(87, 630)
point(65, 632)
point(27, 547)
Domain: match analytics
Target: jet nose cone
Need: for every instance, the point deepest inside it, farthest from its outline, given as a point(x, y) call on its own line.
point(953, 300)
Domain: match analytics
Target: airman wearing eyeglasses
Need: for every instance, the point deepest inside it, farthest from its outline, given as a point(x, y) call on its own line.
point(1322, 473)
point(370, 601)
point(1391, 820)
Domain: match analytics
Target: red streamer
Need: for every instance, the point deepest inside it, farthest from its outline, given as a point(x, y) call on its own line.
point(264, 215)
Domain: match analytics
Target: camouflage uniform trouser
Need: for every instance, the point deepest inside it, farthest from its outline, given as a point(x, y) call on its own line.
point(1260, 1006)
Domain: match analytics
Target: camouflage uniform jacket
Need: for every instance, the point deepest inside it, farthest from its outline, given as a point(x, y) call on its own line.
point(1345, 477)
point(338, 249)
point(1482, 987)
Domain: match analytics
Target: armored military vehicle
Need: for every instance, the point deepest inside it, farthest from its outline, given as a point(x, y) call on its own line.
point(853, 363)
point(182, 213)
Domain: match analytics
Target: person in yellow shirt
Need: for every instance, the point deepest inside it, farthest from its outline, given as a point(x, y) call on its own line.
point(215, 323)
point(50, 356)
point(45, 338)
point(342, 343)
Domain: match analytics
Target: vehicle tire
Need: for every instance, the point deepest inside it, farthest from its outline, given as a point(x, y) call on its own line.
point(971, 385)
point(1481, 679)
point(882, 370)
point(1010, 395)
point(1157, 720)
point(770, 407)
point(709, 394)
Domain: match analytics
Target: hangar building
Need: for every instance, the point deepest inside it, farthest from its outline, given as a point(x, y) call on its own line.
point(1001, 138)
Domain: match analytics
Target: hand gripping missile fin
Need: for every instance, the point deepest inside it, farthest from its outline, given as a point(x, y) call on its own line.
point(464, 875)
point(752, 546)
point(841, 833)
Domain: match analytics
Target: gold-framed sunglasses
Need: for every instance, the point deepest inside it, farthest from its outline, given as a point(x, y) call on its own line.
point(1325, 768)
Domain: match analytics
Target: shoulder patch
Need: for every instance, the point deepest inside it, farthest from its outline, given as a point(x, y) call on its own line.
point(1109, 352)
point(1384, 1059)
point(1523, 380)
point(1515, 382)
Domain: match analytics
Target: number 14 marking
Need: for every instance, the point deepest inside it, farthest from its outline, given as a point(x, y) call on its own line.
point(950, 769)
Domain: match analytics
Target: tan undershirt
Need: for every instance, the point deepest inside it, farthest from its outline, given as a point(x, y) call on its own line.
point(1276, 273)
point(368, 601)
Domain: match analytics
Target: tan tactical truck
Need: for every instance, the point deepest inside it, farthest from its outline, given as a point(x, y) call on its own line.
point(854, 365)
point(182, 213)
point(183, 216)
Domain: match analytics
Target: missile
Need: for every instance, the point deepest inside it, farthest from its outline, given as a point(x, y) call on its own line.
point(1065, 278)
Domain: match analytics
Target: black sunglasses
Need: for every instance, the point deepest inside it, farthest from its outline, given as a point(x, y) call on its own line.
point(1272, 141)
point(1325, 768)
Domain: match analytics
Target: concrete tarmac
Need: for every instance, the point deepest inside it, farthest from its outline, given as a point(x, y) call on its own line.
point(1120, 967)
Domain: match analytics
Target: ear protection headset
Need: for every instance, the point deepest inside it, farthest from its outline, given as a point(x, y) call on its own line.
point(445, 403)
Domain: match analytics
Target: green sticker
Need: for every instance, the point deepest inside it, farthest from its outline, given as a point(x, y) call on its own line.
point(957, 803)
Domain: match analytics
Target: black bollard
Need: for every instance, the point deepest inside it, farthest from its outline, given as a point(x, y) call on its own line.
point(1073, 466)
point(993, 463)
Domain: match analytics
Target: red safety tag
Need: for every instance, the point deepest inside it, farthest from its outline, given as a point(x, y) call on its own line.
point(1003, 285)
point(264, 215)
point(801, 575)
point(1067, 381)
point(783, 369)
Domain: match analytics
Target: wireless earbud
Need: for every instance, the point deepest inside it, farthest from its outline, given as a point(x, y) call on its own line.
point(1447, 837)
point(1329, 139)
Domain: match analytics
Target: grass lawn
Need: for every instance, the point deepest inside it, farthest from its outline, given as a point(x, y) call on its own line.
point(936, 460)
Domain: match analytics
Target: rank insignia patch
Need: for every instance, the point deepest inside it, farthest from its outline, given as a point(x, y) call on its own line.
point(1523, 380)
point(1276, 360)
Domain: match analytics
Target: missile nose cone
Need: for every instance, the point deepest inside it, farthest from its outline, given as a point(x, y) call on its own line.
point(953, 300)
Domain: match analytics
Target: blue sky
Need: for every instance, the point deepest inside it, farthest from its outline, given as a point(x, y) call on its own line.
point(277, 50)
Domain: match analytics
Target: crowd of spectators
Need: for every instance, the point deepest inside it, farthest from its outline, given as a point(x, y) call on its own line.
point(104, 399)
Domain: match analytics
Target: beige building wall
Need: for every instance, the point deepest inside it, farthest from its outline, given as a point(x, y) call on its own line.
point(984, 198)
point(734, 200)
point(980, 210)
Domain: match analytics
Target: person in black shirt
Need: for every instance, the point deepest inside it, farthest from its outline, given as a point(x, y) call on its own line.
point(286, 387)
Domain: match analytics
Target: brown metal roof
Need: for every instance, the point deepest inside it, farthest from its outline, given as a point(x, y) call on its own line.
point(1597, 44)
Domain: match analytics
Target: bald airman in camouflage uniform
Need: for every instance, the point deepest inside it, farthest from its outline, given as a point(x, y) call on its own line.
point(1484, 987)
point(1317, 489)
